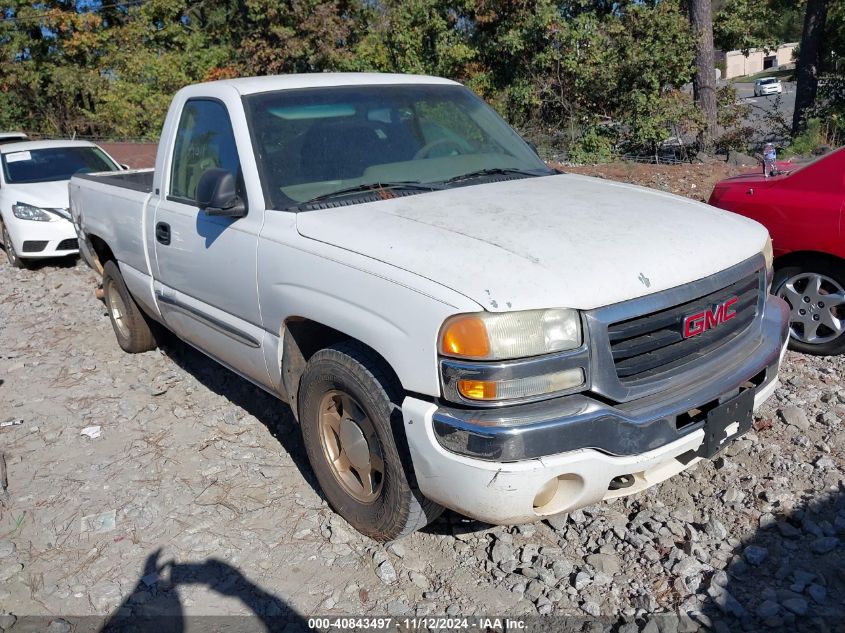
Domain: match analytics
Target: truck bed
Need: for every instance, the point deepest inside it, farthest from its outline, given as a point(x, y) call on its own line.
point(135, 179)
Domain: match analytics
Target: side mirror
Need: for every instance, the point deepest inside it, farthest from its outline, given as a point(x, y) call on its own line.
point(217, 195)
point(125, 167)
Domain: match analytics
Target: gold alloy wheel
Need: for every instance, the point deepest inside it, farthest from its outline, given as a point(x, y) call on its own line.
point(117, 309)
point(351, 446)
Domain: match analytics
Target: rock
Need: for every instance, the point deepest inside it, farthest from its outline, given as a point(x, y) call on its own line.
point(592, 608)
point(798, 606)
point(7, 548)
point(397, 608)
point(561, 568)
point(605, 563)
point(534, 590)
point(825, 544)
point(796, 417)
point(726, 602)
point(420, 581)
point(501, 552)
point(7, 621)
point(755, 555)
point(768, 609)
point(715, 529)
point(558, 521)
point(788, 530)
point(7, 571)
point(59, 625)
point(582, 579)
point(801, 579)
point(386, 573)
point(767, 521)
point(817, 592)
point(686, 567)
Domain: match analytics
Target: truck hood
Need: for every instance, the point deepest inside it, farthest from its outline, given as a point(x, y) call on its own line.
point(47, 195)
point(554, 241)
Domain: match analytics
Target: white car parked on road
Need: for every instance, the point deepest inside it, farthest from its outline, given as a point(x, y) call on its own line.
point(767, 86)
point(34, 195)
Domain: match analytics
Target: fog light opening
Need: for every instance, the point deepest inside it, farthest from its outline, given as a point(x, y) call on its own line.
point(558, 494)
point(620, 482)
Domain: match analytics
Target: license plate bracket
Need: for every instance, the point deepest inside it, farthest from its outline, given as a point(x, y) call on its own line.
point(718, 429)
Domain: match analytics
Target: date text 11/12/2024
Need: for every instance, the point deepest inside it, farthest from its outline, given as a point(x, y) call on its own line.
point(491, 624)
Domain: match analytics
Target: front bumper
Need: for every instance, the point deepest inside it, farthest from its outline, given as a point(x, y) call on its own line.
point(494, 472)
point(43, 239)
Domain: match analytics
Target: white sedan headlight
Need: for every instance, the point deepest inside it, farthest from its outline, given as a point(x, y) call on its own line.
point(24, 211)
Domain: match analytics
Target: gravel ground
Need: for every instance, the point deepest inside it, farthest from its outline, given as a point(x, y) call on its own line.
point(196, 498)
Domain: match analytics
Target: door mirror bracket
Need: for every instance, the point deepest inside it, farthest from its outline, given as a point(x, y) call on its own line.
point(217, 194)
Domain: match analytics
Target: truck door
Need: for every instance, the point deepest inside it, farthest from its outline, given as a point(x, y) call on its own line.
point(206, 286)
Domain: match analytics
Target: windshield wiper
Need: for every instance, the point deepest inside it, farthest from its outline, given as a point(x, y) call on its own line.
point(374, 186)
point(498, 171)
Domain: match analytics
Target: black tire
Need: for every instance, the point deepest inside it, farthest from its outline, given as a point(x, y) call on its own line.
point(14, 259)
point(794, 271)
point(130, 326)
point(351, 368)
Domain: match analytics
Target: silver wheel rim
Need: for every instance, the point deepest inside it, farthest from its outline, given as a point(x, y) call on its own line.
point(7, 246)
point(817, 307)
point(351, 447)
point(117, 310)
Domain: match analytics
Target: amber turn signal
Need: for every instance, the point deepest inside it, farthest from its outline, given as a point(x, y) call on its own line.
point(465, 336)
point(477, 389)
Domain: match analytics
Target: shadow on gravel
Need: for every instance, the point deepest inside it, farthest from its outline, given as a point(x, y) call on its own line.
point(789, 576)
point(155, 605)
point(267, 409)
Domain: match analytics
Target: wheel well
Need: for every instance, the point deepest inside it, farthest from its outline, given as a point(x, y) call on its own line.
point(101, 250)
point(302, 339)
point(797, 257)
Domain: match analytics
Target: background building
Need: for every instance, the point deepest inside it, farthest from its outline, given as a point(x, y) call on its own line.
point(738, 64)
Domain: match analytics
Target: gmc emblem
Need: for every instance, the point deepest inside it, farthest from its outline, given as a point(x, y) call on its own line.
point(700, 322)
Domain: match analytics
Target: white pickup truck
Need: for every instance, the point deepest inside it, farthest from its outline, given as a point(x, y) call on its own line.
point(452, 322)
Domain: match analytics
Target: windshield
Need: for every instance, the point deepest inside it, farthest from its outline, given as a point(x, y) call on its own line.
point(54, 163)
point(313, 142)
point(764, 82)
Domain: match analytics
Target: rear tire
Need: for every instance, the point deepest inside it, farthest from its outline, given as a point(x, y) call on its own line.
point(131, 328)
point(354, 437)
point(14, 259)
point(814, 288)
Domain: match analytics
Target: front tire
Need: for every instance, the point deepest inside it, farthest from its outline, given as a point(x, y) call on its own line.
point(814, 288)
point(355, 442)
point(14, 259)
point(129, 323)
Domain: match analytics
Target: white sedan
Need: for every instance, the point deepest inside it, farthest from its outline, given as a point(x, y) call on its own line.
point(767, 86)
point(34, 179)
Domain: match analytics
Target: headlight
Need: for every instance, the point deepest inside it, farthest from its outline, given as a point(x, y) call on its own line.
point(769, 256)
point(495, 359)
point(25, 211)
point(493, 336)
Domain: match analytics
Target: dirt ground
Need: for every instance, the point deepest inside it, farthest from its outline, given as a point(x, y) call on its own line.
point(195, 498)
point(693, 180)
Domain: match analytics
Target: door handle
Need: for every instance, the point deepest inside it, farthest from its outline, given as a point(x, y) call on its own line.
point(163, 233)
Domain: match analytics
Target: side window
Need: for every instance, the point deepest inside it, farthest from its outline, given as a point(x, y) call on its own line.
point(204, 139)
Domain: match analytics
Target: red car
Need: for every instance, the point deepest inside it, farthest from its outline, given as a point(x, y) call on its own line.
point(803, 210)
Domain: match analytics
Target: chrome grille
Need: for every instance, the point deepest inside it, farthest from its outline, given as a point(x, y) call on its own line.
point(646, 346)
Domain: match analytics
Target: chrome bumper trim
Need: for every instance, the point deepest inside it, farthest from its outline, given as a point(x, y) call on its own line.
point(579, 421)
